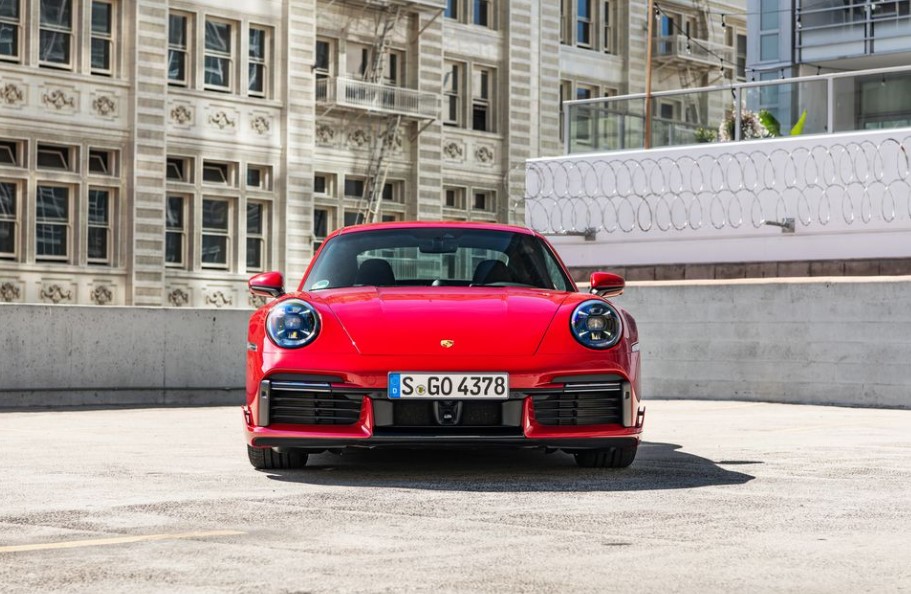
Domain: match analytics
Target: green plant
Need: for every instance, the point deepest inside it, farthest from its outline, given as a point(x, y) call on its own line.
point(705, 135)
point(771, 124)
point(797, 130)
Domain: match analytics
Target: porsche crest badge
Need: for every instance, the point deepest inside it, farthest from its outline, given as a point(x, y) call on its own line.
point(447, 344)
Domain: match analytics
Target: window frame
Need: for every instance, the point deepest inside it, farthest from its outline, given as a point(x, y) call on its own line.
point(109, 38)
point(227, 168)
point(67, 224)
point(69, 32)
point(108, 226)
point(263, 62)
point(181, 231)
point(229, 55)
point(228, 233)
point(14, 219)
point(260, 237)
point(479, 98)
point(15, 23)
point(185, 50)
point(72, 157)
point(453, 88)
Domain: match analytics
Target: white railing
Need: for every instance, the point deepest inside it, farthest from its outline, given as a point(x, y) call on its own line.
point(696, 50)
point(377, 97)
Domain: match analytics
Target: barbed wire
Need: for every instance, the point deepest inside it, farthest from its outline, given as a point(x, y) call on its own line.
point(844, 182)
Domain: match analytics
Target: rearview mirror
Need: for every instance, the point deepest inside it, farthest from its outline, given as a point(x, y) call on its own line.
point(267, 284)
point(607, 284)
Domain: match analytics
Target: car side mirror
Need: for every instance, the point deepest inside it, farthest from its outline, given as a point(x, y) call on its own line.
point(607, 284)
point(267, 284)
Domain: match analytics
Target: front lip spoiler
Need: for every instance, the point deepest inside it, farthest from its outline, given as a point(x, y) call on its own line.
point(406, 440)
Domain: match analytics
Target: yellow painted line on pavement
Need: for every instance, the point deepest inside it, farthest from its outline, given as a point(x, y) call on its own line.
point(75, 544)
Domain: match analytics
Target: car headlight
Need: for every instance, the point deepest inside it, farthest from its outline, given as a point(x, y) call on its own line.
point(292, 324)
point(596, 324)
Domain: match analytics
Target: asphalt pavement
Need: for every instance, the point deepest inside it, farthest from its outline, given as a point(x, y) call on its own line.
point(723, 497)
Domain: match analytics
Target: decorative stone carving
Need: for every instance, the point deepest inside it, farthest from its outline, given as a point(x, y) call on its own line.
point(219, 299)
point(257, 301)
point(58, 99)
point(181, 114)
point(222, 120)
point(453, 150)
point(11, 94)
point(484, 154)
point(260, 125)
point(394, 142)
point(104, 105)
point(9, 292)
point(102, 295)
point(178, 298)
point(325, 134)
point(56, 294)
point(358, 138)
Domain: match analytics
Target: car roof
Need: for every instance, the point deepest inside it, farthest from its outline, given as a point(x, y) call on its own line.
point(435, 224)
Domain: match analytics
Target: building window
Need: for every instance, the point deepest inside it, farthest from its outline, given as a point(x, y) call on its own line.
point(481, 103)
point(216, 215)
point(483, 200)
point(8, 219)
point(102, 37)
point(607, 33)
point(176, 231)
point(256, 238)
point(353, 217)
point(452, 9)
point(588, 24)
point(584, 23)
point(218, 56)
point(55, 36)
point(321, 184)
point(259, 177)
point(52, 223)
point(452, 85)
point(52, 156)
point(9, 30)
point(256, 66)
point(323, 223)
point(483, 13)
point(322, 68)
point(11, 153)
point(394, 191)
point(214, 172)
point(454, 198)
point(179, 169)
point(354, 187)
point(177, 49)
point(102, 162)
point(99, 226)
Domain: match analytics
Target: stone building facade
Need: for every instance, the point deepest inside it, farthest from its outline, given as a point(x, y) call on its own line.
point(159, 152)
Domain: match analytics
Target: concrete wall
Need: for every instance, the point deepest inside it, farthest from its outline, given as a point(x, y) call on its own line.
point(820, 341)
point(826, 341)
point(82, 355)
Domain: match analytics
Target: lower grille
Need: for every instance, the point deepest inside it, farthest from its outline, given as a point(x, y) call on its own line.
point(310, 404)
point(473, 414)
point(581, 404)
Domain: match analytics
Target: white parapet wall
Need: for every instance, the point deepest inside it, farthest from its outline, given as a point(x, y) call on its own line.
point(844, 341)
point(849, 196)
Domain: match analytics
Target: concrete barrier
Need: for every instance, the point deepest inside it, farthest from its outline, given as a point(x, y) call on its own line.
point(57, 355)
point(844, 341)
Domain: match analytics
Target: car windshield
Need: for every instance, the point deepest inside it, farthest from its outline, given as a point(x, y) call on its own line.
point(436, 257)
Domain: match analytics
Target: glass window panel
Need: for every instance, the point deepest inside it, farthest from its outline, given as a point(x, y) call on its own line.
point(254, 253)
point(51, 240)
point(7, 237)
point(99, 202)
point(56, 13)
point(98, 243)
point(101, 54)
point(352, 218)
point(319, 184)
point(452, 9)
point(173, 248)
point(9, 152)
point(55, 47)
point(218, 37)
point(481, 12)
point(53, 204)
point(769, 15)
point(9, 39)
point(768, 47)
point(7, 200)
point(256, 75)
point(322, 55)
point(214, 249)
point(255, 219)
point(479, 118)
point(585, 9)
point(218, 71)
point(100, 162)
point(53, 157)
point(177, 30)
point(177, 70)
point(354, 187)
point(320, 222)
point(101, 17)
point(215, 215)
point(175, 212)
point(254, 177)
point(215, 173)
point(257, 44)
point(9, 9)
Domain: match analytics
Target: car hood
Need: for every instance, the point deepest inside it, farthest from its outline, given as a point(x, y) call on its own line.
point(505, 321)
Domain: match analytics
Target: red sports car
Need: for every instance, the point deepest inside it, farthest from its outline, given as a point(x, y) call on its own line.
point(441, 334)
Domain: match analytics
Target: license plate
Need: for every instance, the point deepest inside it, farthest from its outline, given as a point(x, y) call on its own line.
point(449, 386)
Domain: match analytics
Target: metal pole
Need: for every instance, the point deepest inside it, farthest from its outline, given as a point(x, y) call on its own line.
point(649, 18)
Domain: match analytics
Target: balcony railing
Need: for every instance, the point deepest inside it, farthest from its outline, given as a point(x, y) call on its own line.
point(702, 51)
point(836, 29)
point(821, 104)
point(375, 97)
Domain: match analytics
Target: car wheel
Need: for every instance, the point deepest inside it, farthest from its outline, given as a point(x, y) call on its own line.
point(608, 458)
point(267, 459)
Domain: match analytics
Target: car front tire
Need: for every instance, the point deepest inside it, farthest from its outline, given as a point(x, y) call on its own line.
point(267, 459)
point(607, 458)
